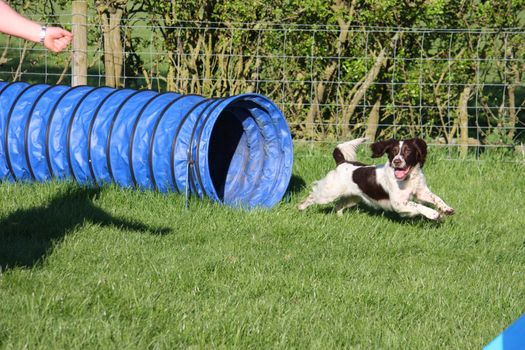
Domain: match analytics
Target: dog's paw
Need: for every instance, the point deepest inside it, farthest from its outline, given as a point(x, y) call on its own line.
point(448, 211)
point(433, 215)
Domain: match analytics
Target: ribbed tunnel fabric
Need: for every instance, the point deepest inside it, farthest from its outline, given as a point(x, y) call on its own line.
point(235, 150)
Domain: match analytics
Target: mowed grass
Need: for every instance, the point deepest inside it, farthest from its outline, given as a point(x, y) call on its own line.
point(121, 269)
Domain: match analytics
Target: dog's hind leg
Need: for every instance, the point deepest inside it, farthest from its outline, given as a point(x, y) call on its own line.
point(328, 189)
point(345, 203)
point(318, 196)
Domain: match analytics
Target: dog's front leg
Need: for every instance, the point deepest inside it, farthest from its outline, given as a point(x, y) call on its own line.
point(425, 195)
point(307, 202)
point(410, 209)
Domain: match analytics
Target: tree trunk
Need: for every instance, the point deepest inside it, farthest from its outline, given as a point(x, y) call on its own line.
point(170, 79)
point(18, 73)
point(512, 111)
point(513, 114)
point(318, 98)
point(373, 121)
point(113, 52)
point(3, 58)
point(320, 87)
point(463, 120)
point(108, 55)
point(370, 77)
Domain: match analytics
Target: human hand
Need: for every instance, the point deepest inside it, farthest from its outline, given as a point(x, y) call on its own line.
point(57, 39)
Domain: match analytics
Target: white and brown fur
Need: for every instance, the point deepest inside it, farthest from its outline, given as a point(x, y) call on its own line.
point(398, 185)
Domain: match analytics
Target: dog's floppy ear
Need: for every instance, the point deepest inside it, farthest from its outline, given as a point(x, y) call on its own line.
point(379, 148)
point(421, 150)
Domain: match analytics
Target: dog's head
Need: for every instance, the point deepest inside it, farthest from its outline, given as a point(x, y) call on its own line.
point(403, 156)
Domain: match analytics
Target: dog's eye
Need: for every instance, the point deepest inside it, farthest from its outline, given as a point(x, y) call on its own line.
point(395, 150)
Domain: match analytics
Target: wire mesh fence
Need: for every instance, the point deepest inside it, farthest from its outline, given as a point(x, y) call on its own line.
point(461, 88)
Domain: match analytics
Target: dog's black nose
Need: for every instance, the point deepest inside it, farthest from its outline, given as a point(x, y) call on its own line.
point(397, 162)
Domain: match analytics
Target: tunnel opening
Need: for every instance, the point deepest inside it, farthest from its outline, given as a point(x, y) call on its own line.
point(226, 142)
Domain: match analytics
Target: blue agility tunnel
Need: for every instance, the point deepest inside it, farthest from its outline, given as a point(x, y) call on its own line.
point(235, 150)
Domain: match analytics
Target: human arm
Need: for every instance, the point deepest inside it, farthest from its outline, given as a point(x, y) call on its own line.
point(55, 39)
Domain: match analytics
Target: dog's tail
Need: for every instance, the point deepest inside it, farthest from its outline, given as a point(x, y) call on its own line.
point(345, 152)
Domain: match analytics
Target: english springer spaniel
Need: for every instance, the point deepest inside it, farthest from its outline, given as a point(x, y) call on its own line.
point(392, 186)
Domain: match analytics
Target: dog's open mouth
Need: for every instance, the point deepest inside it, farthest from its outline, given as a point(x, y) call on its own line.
point(401, 173)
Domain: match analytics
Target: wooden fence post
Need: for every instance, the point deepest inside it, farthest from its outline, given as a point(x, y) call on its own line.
point(79, 21)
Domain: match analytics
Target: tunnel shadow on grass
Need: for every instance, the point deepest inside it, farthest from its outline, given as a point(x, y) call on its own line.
point(28, 235)
point(296, 185)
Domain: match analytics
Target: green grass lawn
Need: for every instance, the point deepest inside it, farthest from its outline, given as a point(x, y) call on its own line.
point(111, 268)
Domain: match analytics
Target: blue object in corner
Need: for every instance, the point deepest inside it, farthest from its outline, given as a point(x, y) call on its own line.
point(512, 338)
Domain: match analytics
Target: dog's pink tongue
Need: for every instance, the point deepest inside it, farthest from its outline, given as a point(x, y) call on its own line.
point(401, 173)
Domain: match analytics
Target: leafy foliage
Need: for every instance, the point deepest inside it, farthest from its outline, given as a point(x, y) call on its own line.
point(328, 62)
